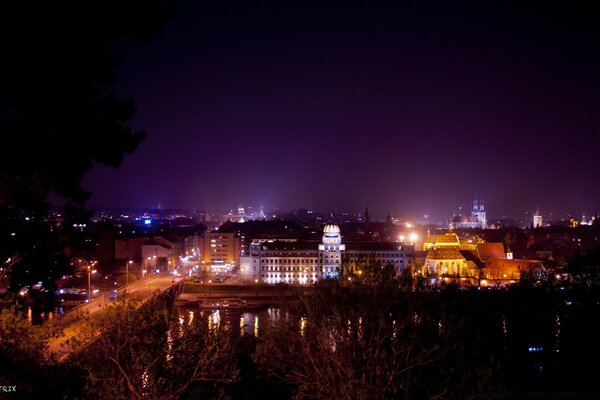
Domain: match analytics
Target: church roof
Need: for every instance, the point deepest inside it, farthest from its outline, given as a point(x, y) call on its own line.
point(487, 250)
point(449, 237)
point(503, 263)
point(444, 253)
point(471, 255)
point(463, 218)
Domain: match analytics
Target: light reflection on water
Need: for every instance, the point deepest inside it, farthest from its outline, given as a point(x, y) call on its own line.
point(557, 334)
point(247, 322)
point(169, 346)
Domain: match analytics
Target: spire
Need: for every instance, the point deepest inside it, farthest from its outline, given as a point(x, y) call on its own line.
point(509, 253)
point(367, 219)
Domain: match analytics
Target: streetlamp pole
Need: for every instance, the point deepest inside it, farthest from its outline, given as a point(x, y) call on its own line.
point(127, 273)
point(89, 271)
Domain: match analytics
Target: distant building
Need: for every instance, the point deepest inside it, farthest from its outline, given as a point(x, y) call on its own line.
point(155, 257)
point(537, 219)
point(478, 218)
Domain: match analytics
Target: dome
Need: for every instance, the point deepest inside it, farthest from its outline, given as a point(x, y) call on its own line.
point(331, 230)
point(460, 218)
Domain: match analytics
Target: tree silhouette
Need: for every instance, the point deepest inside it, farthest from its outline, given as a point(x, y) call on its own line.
point(58, 114)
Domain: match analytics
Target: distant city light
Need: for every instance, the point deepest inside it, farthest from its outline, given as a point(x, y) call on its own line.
point(147, 221)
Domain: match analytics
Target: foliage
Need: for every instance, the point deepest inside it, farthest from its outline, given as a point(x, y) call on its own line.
point(153, 352)
point(584, 269)
point(59, 116)
point(376, 341)
point(21, 347)
point(55, 104)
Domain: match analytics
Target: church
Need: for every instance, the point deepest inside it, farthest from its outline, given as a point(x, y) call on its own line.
point(477, 219)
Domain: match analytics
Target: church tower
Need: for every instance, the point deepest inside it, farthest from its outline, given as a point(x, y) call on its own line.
point(478, 213)
point(537, 219)
point(509, 253)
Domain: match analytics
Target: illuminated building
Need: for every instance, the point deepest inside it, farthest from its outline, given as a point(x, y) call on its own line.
point(448, 239)
point(496, 266)
point(537, 219)
point(446, 262)
point(281, 262)
point(398, 255)
point(478, 218)
point(296, 262)
point(219, 251)
point(331, 250)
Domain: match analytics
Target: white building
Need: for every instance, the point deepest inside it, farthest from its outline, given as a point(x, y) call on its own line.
point(331, 251)
point(306, 262)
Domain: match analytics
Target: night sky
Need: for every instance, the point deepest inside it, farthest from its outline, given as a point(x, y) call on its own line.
point(412, 108)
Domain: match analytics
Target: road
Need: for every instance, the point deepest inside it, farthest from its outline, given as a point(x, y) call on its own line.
point(79, 317)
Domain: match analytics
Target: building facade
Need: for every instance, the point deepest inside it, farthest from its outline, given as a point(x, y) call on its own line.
point(331, 251)
point(219, 251)
point(296, 262)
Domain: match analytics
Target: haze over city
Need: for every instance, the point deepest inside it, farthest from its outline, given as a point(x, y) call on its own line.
point(408, 108)
point(299, 200)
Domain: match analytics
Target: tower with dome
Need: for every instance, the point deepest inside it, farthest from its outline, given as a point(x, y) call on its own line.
point(331, 251)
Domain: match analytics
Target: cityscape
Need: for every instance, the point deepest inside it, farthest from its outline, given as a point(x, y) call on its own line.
point(283, 200)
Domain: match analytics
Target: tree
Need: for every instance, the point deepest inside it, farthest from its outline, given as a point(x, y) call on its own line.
point(58, 114)
point(21, 347)
point(155, 352)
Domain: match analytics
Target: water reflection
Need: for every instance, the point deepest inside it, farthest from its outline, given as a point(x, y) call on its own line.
point(214, 319)
point(557, 334)
point(243, 322)
point(169, 346)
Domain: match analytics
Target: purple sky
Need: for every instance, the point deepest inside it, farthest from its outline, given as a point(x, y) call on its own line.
point(409, 109)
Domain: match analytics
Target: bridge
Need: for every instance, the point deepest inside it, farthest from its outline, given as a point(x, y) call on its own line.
point(73, 324)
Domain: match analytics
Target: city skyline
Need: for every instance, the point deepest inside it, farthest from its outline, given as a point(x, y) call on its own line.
point(258, 213)
point(408, 109)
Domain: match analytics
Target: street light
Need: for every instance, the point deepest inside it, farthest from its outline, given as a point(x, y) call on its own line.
point(90, 272)
point(127, 272)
